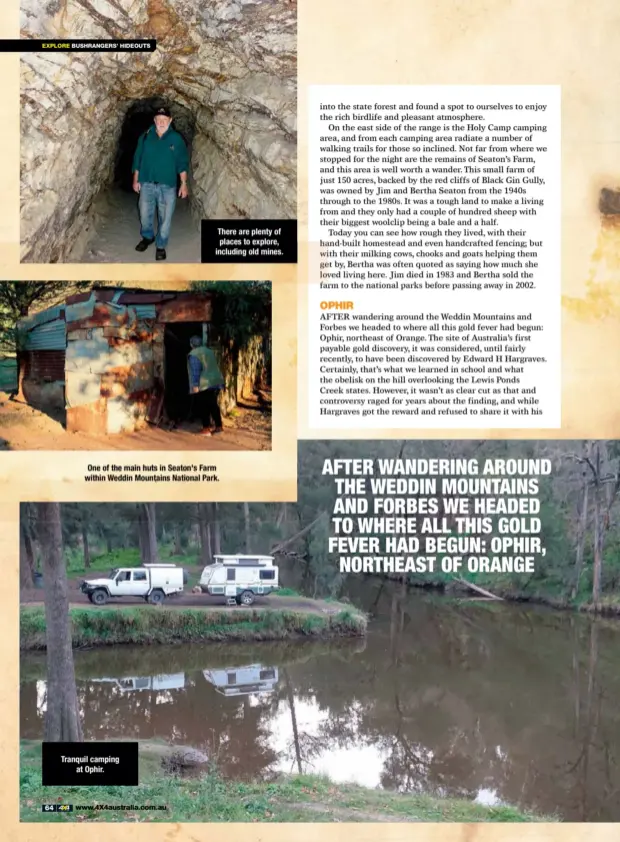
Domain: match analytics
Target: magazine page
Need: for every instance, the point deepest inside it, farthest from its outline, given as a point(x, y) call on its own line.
point(310, 470)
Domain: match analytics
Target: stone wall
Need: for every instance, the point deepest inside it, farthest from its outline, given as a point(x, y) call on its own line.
point(231, 63)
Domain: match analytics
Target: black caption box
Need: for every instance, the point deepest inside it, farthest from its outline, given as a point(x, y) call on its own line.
point(70, 45)
point(90, 764)
point(249, 241)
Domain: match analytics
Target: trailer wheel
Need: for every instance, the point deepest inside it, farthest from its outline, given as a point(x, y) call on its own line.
point(247, 598)
point(99, 597)
point(156, 597)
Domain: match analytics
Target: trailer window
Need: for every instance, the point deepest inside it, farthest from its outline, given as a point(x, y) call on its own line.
point(268, 574)
point(231, 678)
point(267, 675)
point(230, 574)
point(139, 576)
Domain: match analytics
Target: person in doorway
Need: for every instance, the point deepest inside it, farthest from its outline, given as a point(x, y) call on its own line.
point(160, 156)
point(205, 381)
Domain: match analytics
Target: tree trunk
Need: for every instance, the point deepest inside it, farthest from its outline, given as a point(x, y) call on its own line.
point(581, 535)
point(178, 543)
point(26, 557)
point(62, 717)
point(20, 361)
point(150, 533)
point(598, 532)
point(85, 545)
point(477, 588)
point(282, 545)
point(206, 553)
point(282, 520)
point(248, 531)
point(216, 534)
point(108, 542)
point(142, 533)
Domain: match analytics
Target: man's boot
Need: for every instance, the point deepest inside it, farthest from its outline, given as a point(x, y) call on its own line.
point(160, 254)
point(144, 244)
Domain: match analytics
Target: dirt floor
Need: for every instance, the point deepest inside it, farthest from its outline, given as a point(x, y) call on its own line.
point(34, 596)
point(25, 428)
point(115, 232)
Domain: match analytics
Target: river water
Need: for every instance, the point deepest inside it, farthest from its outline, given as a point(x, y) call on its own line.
point(484, 701)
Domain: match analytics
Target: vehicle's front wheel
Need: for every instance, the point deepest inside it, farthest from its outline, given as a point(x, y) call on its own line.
point(99, 597)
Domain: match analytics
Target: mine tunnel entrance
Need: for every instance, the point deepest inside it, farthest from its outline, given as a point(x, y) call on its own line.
point(138, 119)
point(177, 398)
point(115, 230)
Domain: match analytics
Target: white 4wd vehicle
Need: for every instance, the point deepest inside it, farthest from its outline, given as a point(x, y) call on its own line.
point(152, 582)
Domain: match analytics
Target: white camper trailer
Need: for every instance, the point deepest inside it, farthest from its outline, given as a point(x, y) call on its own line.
point(242, 681)
point(240, 578)
point(152, 582)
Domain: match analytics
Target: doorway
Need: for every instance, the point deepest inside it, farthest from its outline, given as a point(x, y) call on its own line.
point(177, 398)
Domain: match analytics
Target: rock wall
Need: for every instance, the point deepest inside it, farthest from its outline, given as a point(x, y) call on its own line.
point(231, 63)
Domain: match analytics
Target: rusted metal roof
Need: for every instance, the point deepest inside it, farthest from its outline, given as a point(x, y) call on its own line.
point(147, 297)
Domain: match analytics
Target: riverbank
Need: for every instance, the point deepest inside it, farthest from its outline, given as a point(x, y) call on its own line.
point(607, 606)
point(209, 798)
point(146, 624)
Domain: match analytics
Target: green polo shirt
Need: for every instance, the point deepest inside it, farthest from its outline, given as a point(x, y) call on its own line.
point(160, 159)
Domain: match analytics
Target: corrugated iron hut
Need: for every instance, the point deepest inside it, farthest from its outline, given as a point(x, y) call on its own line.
point(107, 354)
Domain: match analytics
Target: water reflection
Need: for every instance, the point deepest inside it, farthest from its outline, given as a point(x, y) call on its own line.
point(243, 681)
point(148, 682)
point(487, 702)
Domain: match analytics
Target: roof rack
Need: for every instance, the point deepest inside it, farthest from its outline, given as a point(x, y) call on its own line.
point(159, 564)
point(243, 560)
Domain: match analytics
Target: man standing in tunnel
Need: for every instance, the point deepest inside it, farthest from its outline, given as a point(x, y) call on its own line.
point(205, 382)
point(161, 156)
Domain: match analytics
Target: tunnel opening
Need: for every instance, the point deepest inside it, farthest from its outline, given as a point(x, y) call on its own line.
point(115, 230)
point(138, 120)
point(177, 398)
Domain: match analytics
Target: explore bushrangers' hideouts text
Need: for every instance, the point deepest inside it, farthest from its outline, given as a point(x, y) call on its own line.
point(434, 294)
point(430, 515)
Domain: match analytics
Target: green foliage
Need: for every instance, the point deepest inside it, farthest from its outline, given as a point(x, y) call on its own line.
point(210, 798)
point(22, 298)
point(241, 310)
point(146, 624)
point(129, 557)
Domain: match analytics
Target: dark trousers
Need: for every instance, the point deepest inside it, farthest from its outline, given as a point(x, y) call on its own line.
point(206, 407)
